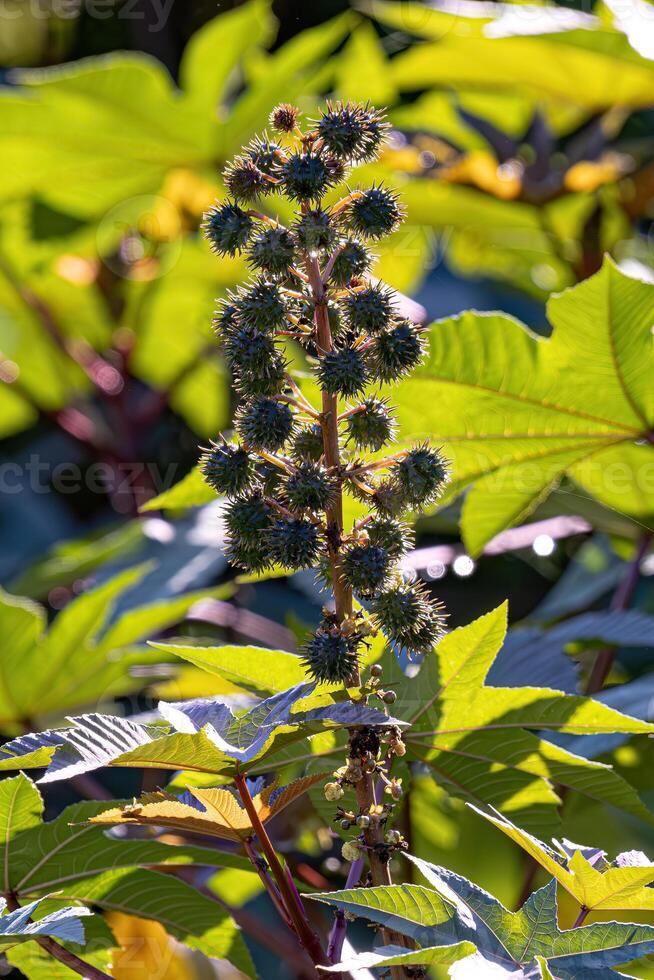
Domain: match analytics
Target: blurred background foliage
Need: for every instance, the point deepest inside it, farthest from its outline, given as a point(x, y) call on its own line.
point(523, 147)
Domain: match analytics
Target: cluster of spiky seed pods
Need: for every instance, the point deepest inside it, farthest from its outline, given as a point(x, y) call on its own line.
point(290, 462)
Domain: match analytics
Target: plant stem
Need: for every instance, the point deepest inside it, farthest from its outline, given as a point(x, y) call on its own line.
point(620, 601)
point(581, 918)
point(268, 883)
point(339, 928)
point(289, 896)
point(365, 788)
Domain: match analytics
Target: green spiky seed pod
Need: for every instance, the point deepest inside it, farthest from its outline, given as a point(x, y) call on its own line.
point(343, 372)
point(366, 569)
point(352, 131)
point(227, 228)
point(330, 657)
point(309, 487)
point(272, 251)
point(227, 468)
point(305, 176)
point(284, 117)
point(396, 352)
point(293, 543)
point(264, 154)
point(409, 618)
point(375, 213)
point(244, 180)
point(315, 231)
point(225, 320)
point(260, 305)
point(258, 365)
point(265, 424)
point(308, 445)
point(246, 518)
point(352, 261)
point(421, 475)
point(372, 426)
point(251, 556)
point(392, 535)
point(370, 309)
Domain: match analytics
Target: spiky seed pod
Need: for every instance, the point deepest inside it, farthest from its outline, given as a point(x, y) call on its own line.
point(337, 169)
point(284, 117)
point(265, 424)
point(305, 176)
point(375, 213)
point(225, 320)
point(257, 364)
point(227, 228)
point(260, 305)
point(265, 381)
point(372, 426)
point(352, 261)
point(315, 231)
point(330, 657)
point(343, 372)
point(264, 154)
point(227, 468)
point(252, 558)
point(272, 251)
point(421, 476)
point(371, 309)
point(244, 180)
point(352, 131)
point(309, 487)
point(365, 568)
point(247, 517)
point(293, 543)
point(409, 618)
point(392, 535)
point(397, 351)
point(308, 444)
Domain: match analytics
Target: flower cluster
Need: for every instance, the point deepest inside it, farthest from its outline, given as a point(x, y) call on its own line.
point(290, 463)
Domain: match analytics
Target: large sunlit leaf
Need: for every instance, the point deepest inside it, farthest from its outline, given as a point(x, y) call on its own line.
point(594, 884)
point(516, 940)
point(516, 412)
point(202, 735)
point(73, 663)
point(252, 669)
point(481, 742)
point(215, 812)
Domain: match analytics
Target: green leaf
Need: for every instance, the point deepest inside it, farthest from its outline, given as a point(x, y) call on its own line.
point(516, 939)
point(72, 664)
point(192, 918)
point(215, 51)
point(593, 886)
point(468, 50)
point(44, 856)
point(479, 740)
point(17, 927)
point(192, 491)
point(518, 413)
point(396, 956)
point(21, 807)
point(254, 669)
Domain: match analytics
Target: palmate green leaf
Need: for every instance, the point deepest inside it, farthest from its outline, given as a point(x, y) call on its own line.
point(516, 413)
point(458, 915)
point(596, 886)
point(518, 940)
point(189, 916)
point(480, 743)
point(201, 735)
point(72, 664)
point(573, 58)
point(253, 669)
